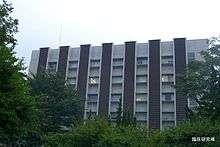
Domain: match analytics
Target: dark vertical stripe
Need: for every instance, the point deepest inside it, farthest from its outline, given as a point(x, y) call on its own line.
point(105, 79)
point(128, 99)
point(42, 59)
point(154, 84)
point(63, 57)
point(180, 65)
point(83, 71)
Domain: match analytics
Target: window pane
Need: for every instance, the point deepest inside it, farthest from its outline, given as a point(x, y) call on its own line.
point(167, 61)
point(92, 98)
point(93, 80)
point(141, 107)
point(94, 72)
point(141, 88)
point(94, 63)
point(167, 107)
point(167, 78)
point(141, 61)
point(191, 56)
point(115, 97)
point(116, 88)
point(52, 66)
point(167, 88)
point(168, 97)
point(114, 107)
point(168, 116)
point(117, 79)
point(117, 71)
point(73, 64)
point(72, 73)
point(118, 62)
point(92, 107)
point(141, 79)
point(141, 70)
point(93, 89)
point(167, 69)
point(141, 116)
point(71, 80)
point(141, 97)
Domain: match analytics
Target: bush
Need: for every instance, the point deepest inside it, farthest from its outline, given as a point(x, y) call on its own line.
point(182, 134)
point(98, 133)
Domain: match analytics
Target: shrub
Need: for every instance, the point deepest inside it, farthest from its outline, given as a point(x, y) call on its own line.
point(98, 133)
point(182, 134)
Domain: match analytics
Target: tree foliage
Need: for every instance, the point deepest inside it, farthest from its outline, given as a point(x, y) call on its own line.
point(124, 118)
point(61, 106)
point(8, 25)
point(201, 82)
point(98, 133)
point(18, 110)
point(183, 134)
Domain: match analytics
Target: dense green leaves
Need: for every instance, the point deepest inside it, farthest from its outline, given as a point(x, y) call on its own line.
point(18, 110)
point(202, 82)
point(61, 106)
point(8, 25)
point(182, 135)
point(98, 133)
point(123, 118)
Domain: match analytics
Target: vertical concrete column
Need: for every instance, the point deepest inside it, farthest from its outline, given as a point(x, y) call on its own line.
point(105, 79)
point(154, 84)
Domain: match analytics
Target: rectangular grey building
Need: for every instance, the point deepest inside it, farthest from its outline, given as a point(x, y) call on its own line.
point(142, 74)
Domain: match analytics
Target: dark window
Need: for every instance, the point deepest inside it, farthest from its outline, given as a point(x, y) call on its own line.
point(52, 67)
point(94, 63)
point(92, 98)
point(141, 61)
point(168, 97)
point(118, 62)
point(191, 56)
point(73, 64)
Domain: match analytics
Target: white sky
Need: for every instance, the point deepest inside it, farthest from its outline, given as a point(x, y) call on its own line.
point(117, 21)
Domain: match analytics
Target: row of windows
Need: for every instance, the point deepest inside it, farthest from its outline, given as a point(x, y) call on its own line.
point(119, 61)
point(167, 80)
point(139, 97)
point(118, 79)
point(142, 60)
point(93, 87)
point(52, 66)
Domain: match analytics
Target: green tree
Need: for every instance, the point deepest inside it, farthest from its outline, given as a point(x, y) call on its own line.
point(8, 25)
point(119, 113)
point(182, 135)
point(98, 133)
point(61, 105)
point(18, 110)
point(124, 118)
point(201, 82)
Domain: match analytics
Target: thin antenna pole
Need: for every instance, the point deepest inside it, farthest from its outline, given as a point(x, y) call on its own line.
point(60, 36)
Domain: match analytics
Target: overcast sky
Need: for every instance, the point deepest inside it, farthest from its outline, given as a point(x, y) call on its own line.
point(43, 22)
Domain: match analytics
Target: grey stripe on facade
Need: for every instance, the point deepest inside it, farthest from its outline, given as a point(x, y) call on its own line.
point(129, 73)
point(180, 65)
point(83, 71)
point(105, 80)
point(63, 57)
point(42, 63)
point(154, 84)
